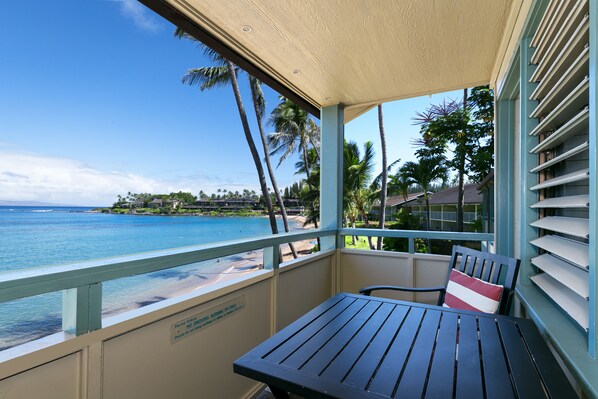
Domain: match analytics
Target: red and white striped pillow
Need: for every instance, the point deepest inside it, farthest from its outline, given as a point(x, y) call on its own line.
point(470, 293)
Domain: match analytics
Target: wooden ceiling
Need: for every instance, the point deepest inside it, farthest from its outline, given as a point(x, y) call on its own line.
point(355, 52)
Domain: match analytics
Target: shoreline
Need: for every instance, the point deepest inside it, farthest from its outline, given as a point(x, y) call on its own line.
point(238, 213)
point(224, 269)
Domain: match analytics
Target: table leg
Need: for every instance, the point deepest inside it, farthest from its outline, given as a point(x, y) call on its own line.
point(279, 393)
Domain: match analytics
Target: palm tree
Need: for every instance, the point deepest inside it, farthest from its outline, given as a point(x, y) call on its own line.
point(259, 106)
point(357, 177)
point(445, 127)
point(309, 190)
point(384, 175)
point(295, 131)
point(424, 173)
point(226, 72)
point(400, 183)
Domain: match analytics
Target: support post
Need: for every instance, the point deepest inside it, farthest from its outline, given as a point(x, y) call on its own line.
point(504, 177)
point(82, 309)
point(272, 257)
point(331, 173)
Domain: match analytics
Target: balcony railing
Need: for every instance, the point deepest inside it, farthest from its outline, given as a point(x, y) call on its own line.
point(449, 216)
point(269, 299)
point(82, 282)
point(412, 235)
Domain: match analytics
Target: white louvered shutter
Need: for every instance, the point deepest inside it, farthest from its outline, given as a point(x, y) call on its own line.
point(562, 94)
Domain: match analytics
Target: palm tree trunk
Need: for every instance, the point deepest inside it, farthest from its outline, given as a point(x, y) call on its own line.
point(366, 224)
point(384, 176)
point(252, 148)
point(283, 211)
point(428, 215)
point(461, 191)
point(461, 194)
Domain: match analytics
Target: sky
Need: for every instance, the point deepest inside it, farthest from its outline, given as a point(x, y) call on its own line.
point(92, 106)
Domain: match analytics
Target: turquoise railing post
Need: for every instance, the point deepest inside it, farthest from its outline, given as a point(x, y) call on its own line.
point(82, 309)
point(272, 257)
point(411, 245)
point(504, 161)
point(331, 173)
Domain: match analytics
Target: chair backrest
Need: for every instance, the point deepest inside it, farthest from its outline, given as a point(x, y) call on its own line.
point(492, 268)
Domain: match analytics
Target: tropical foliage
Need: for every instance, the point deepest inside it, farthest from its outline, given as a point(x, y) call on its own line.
point(224, 72)
point(463, 129)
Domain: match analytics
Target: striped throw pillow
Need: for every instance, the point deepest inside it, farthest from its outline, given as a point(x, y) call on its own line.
point(469, 293)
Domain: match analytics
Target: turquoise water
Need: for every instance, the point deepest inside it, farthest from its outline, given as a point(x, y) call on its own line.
point(41, 236)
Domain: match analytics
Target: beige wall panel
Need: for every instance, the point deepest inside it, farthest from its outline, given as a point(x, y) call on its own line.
point(360, 269)
point(59, 379)
point(145, 364)
point(302, 288)
point(430, 271)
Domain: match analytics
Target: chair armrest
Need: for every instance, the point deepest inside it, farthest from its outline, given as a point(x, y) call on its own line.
point(368, 290)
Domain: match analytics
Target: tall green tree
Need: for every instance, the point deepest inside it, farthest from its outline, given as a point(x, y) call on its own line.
point(399, 183)
point(445, 127)
point(424, 173)
point(224, 73)
point(466, 130)
point(294, 132)
point(358, 170)
point(481, 106)
point(259, 106)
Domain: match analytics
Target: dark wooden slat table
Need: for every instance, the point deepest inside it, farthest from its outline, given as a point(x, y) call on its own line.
point(353, 346)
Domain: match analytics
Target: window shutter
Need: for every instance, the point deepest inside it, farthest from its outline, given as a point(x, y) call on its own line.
point(562, 93)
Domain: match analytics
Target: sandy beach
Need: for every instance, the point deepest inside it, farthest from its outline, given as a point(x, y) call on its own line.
point(174, 282)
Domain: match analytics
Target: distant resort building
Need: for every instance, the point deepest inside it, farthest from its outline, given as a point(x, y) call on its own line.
point(293, 206)
point(443, 208)
point(156, 203)
point(486, 189)
point(225, 205)
point(393, 204)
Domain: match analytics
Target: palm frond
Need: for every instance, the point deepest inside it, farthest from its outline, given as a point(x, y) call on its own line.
point(207, 77)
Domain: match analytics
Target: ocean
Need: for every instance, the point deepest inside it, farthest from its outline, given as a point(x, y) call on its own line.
point(42, 236)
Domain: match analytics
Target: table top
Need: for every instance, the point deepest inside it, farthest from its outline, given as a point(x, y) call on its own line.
point(354, 346)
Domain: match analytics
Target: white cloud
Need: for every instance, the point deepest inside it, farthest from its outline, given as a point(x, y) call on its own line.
point(33, 177)
point(140, 15)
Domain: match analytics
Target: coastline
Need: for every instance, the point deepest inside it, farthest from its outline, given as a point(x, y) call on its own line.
point(37, 317)
point(223, 269)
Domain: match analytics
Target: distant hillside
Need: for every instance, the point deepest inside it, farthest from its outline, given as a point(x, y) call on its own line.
point(29, 203)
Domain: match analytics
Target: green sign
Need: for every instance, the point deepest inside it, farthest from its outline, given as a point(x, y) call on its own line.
point(191, 325)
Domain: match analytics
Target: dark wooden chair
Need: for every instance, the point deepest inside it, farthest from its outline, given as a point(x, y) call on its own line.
point(492, 268)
